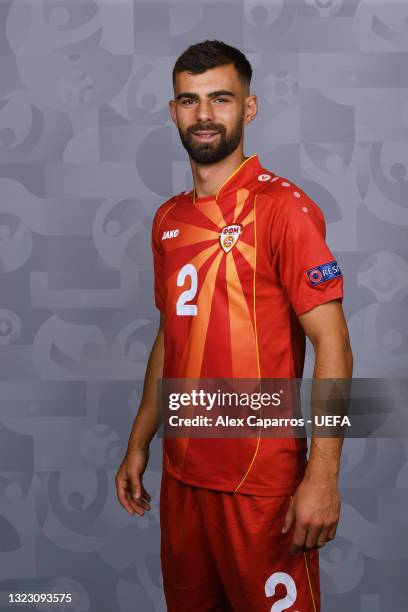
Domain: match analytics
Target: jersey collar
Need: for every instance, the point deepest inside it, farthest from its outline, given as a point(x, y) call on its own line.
point(242, 175)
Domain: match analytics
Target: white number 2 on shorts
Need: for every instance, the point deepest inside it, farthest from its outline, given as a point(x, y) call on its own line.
point(291, 590)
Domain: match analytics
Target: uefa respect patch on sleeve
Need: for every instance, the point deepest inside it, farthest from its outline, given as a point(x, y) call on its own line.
point(323, 273)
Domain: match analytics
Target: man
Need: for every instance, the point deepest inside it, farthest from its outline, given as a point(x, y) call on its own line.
point(242, 519)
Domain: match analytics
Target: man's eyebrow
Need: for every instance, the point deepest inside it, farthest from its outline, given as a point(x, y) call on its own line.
point(212, 94)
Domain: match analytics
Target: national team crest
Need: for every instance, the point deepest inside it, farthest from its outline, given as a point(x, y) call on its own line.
point(229, 236)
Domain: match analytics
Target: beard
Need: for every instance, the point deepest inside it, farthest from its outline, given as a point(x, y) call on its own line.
point(211, 152)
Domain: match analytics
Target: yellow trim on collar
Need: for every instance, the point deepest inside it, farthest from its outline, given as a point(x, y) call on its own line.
point(228, 179)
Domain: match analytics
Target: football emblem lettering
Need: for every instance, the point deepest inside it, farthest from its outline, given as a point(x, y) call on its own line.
point(325, 272)
point(229, 236)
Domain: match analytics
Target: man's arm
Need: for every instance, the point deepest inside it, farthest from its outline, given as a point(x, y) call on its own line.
point(145, 424)
point(326, 328)
point(316, 504)
point(129, 486)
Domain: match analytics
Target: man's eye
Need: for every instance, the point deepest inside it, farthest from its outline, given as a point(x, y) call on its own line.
point(187, 101)
point(220, 99)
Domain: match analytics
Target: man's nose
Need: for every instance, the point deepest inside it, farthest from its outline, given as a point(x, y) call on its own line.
point(204, 110)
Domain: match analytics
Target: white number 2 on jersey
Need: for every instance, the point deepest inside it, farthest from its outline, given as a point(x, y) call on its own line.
point(291, 590)
point(181, 307)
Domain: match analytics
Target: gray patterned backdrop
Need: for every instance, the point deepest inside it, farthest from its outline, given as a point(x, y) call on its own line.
point(87, 154)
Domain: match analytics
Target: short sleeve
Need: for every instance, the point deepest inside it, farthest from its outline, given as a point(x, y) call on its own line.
point(307, 268)
point(159, 285)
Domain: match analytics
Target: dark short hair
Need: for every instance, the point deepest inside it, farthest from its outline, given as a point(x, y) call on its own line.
point(210, 54)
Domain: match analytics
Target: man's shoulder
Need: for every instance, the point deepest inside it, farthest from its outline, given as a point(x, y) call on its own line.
point(163, 209)
point(282, 194)
point(268, 183)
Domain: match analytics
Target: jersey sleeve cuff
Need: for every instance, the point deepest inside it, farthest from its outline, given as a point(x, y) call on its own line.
point(321, 298)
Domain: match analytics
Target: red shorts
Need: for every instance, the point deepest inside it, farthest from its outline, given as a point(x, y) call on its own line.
point(225, 552)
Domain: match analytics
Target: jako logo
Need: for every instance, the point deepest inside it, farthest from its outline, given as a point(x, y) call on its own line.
point(170, 234)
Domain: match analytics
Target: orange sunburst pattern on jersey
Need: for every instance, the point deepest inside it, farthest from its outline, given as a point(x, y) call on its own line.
point(240, 331)
point(192, 357)
point(242, 334)
point(213, 212)
point(191, 234)
point(242, 195)
point(247, 250)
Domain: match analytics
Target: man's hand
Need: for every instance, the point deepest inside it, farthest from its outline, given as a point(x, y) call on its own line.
point(315, 509)
point(129, 486)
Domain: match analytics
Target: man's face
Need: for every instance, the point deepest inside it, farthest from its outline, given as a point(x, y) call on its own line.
point(210, 111)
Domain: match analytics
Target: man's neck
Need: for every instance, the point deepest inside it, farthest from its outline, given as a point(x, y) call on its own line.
point(209, 178)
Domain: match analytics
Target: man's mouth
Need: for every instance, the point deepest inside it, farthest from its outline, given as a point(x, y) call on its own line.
point(205, 135)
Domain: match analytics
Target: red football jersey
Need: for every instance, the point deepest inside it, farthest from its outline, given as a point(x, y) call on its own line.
point(232, 273)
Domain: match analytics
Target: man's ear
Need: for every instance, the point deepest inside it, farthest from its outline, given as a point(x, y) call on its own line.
point(251, 108)
point(172, 108)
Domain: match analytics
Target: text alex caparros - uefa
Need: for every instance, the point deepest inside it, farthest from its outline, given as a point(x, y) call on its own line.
point(214, 401)
point(253, 421)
